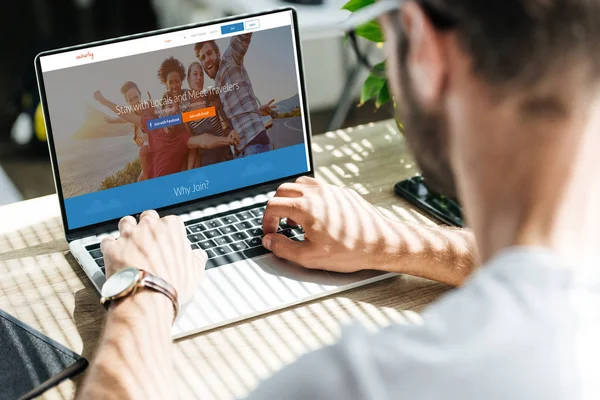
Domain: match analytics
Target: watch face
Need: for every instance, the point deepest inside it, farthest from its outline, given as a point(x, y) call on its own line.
point(120, 282)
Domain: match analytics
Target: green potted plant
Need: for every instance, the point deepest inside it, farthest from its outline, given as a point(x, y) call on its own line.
point(375, 86)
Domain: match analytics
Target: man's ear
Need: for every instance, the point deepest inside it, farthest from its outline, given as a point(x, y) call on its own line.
point(425, 63)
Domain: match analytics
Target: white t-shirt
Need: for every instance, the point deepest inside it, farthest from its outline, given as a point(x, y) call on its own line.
point(525, 326)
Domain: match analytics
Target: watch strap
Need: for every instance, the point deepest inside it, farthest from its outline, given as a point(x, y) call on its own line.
point(153, 282)
point(160, 285)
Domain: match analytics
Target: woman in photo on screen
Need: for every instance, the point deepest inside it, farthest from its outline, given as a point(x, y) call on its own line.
point(211, 137)
point(171, 145)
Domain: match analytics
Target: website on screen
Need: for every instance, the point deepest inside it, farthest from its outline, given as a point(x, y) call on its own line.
point(156, 121)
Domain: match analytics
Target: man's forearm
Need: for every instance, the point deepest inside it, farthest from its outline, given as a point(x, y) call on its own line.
point(239, 46)
point(134, 360)
point(442, 254)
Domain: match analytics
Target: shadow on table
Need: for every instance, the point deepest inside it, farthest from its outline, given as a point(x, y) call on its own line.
point(32, 240)
point(89, 316)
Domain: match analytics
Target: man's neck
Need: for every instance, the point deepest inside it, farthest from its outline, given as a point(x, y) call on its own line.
point(541, 187)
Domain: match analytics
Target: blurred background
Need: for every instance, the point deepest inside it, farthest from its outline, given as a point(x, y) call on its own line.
point(333, 76)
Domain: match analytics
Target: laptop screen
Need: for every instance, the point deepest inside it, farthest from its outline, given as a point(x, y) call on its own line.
point(173, 117)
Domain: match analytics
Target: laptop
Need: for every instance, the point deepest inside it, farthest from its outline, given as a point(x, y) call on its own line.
point(120, 116)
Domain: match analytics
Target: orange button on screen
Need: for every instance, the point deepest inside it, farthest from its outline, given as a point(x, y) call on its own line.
point(199, 114)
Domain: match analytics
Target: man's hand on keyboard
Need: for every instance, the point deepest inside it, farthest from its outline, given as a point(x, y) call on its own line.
point(343, 232)
point(159, 246)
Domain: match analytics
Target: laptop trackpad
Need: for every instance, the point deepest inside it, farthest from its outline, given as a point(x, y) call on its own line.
point(250, 287)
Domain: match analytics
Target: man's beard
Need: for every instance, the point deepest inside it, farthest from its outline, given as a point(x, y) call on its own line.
point(427, 137)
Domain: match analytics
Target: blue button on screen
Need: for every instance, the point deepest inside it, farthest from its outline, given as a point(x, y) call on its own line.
point(232, 28)
point(164, 122)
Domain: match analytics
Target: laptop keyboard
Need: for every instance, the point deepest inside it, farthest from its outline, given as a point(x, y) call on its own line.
point(226, 238)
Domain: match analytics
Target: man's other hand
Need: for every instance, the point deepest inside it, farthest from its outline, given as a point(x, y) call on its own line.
point(159, 246)
point(342, 230)
point(266, 109)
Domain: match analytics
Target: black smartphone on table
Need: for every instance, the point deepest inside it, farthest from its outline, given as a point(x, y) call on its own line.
point(442, 208)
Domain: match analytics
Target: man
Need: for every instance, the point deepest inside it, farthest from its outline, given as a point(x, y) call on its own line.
point(502, 98)
point(236, 92)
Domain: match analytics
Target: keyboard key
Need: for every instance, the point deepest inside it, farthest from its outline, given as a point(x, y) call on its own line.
point(298, 231)
point(196, 238)
point(197, 228)
point(287, 232)
point(208, 244)
point(243, 216)
point(103, 270)
point(215, 223)
point(96, 253)
point(257, 221)
point(254, 242)
point(226, 230)
point(255, 252)
point(221, 251)
point(195, 246)
point(235, 256)
point(100, 262)
point(244, 225)
point(256, 232)
point(226, 259)
point(221, 240)
point(230, 219)
point(298, 239)
point(239, 236)
point(212, 234)
point(92, 247)
point(238, 246)
point(258, 212)
point(210, 254)
point(283, 224)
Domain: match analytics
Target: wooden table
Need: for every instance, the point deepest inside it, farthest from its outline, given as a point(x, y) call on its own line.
point(42, 284)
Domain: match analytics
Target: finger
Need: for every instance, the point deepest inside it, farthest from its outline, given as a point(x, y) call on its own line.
point(176, 222)
point(289, 190)
point(106, 244)
point(201, 256)
point(149, 215)
point(271, 102)
point(307, 180)
point(126, 225)
point(285, 248)
point(283, 207)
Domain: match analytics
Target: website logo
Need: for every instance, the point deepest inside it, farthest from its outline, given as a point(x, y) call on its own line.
point(89, 54)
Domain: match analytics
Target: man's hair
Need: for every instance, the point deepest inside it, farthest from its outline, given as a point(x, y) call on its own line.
point(523, 41)
point(169, 65)
point(198, 47)
point(129, 85)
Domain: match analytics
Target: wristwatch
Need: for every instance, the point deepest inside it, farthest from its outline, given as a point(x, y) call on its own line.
point(129, 280)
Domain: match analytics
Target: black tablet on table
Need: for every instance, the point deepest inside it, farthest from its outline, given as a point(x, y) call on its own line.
point(30, 362)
